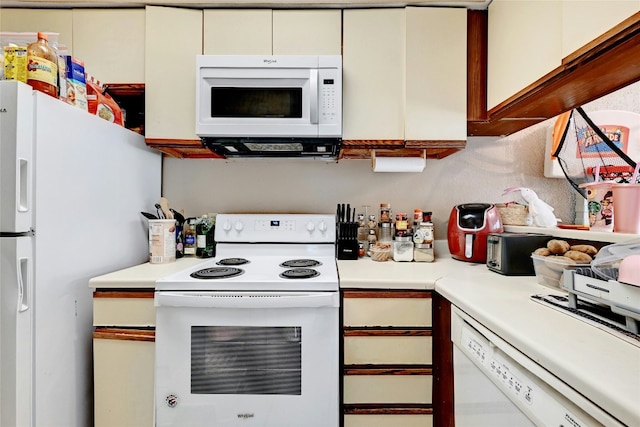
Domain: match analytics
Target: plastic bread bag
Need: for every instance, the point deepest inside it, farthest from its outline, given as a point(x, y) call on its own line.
point(607, 261)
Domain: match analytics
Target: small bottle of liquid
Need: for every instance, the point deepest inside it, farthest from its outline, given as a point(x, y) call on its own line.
point(190, 237)
point(42, 66)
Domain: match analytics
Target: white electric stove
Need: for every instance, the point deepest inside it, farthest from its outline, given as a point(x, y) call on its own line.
point(251, 336)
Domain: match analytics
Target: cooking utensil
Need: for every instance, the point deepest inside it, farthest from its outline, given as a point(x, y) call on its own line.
point(159, 211)
point(177, 215)
point(149, 215)
point(164, 205)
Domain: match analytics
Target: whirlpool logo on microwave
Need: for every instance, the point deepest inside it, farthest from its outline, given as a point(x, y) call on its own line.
point(245, 416)
point(269, 60)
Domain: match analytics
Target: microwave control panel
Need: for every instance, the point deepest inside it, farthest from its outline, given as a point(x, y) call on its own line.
point(330, 105)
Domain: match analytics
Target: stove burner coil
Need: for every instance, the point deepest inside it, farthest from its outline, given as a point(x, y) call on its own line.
point(217, 273)
point(233, 261)
point(296, 263)
point(299, 273)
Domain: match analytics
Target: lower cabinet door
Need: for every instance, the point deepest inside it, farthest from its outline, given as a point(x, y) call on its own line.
point(391, 389)
point(388, 421)
point(123, 377)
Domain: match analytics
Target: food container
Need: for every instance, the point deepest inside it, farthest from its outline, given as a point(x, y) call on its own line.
point(549, 269)
point(162, 241)
point(381, 253)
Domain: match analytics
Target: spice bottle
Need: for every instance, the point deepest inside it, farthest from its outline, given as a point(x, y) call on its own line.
point(42, 66)
point(371, 240)
point(385, 212)
point(190, 237)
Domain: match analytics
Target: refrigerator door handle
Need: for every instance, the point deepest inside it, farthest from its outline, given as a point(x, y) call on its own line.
point(23, 285)
point(23, 196)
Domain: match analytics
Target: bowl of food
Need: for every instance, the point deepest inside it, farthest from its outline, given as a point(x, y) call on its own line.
point(380, 251)
point(552, 261)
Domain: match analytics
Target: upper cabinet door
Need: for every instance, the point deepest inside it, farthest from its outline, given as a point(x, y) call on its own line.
point(111, 43)
point(585, 20)
point(373, 73)
point(237, 32)
point(524, 44)
point(307, 32)
point(436, 74)
point(170, 72)
point(33, 20)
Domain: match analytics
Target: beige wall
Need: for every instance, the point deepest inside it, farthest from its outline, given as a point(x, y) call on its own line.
point(478, 174)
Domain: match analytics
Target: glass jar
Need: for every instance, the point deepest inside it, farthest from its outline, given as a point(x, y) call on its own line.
point(385, 212)
point(386, 232)
point(423, 252)
point(402, 221)
point(417, 218)
point(402, 249)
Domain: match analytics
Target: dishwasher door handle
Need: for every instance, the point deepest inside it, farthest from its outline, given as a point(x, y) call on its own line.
point(246, 299)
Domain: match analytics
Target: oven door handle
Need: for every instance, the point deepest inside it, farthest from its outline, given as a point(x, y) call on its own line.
point(247, 299)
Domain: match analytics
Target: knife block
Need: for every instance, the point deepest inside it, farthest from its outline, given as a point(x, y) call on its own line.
point(347, 244)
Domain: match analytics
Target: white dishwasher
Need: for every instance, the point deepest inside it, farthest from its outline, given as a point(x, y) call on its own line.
point(497, 385)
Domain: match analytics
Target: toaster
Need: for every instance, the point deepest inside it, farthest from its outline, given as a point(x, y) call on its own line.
point(510, 253)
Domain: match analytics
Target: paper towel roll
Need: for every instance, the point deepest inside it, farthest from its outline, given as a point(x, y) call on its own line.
point(398, 164)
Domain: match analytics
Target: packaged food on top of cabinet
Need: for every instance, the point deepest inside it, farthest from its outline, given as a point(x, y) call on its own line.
point(73, 87)
point(15, 63)
point(101, 104)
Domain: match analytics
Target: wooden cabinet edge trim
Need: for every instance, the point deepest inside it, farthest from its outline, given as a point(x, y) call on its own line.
point(123, 294)
point(386, 331)
point(401, 293)
point(387, 370)
point(125, 334)
point(387, 409)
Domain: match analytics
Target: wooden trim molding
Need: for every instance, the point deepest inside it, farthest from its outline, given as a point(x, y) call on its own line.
point(442, 363)
point(477, 39)
point(388, 409)
point(400, 293)
point(387, 370)
point(123, 294)
point(386, 331)
point(122, 334)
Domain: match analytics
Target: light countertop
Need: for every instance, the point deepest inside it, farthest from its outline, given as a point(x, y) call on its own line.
point(600, 366)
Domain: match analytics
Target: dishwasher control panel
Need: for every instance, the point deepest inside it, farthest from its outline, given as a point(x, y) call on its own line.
point(536, 399)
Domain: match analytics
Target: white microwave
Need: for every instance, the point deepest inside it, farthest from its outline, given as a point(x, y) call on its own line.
point(273, 106)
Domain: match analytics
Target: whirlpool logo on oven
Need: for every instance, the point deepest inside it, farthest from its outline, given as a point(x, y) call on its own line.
point(245, 416)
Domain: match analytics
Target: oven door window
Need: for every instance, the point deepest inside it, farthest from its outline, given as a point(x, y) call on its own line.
point(257, 102)
point(246, 360)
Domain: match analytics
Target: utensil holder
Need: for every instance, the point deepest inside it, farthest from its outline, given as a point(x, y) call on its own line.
point(347, 241)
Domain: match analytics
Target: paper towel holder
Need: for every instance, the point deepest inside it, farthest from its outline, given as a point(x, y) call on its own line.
point(410, 166)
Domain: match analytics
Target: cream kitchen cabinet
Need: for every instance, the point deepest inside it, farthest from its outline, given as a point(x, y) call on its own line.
point(387, 355)
point(98, 36)
point(529, 39)
point(272, 32)
point(585, 20)
point(524, 44)
point(123, 358)
point(173, 38)
point(373, 74)
point(404, 74)
point(33, 20)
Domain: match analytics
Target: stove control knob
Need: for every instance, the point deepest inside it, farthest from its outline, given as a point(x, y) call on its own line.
point(239, 226)
point(310, 226)
point(322, 226)
point(226, 226)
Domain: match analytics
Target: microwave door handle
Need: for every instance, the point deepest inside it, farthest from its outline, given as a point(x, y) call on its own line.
point(313, 89)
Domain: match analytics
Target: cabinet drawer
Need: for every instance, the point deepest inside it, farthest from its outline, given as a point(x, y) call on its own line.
point(123, 309)
point(388, 421)
point(387, 350)
point(387, 389)
point(387, 311)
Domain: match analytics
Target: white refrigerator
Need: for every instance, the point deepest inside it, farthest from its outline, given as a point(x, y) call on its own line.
point(72, 187)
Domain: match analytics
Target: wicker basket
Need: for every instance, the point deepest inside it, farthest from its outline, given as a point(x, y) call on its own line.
point(513, 213)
